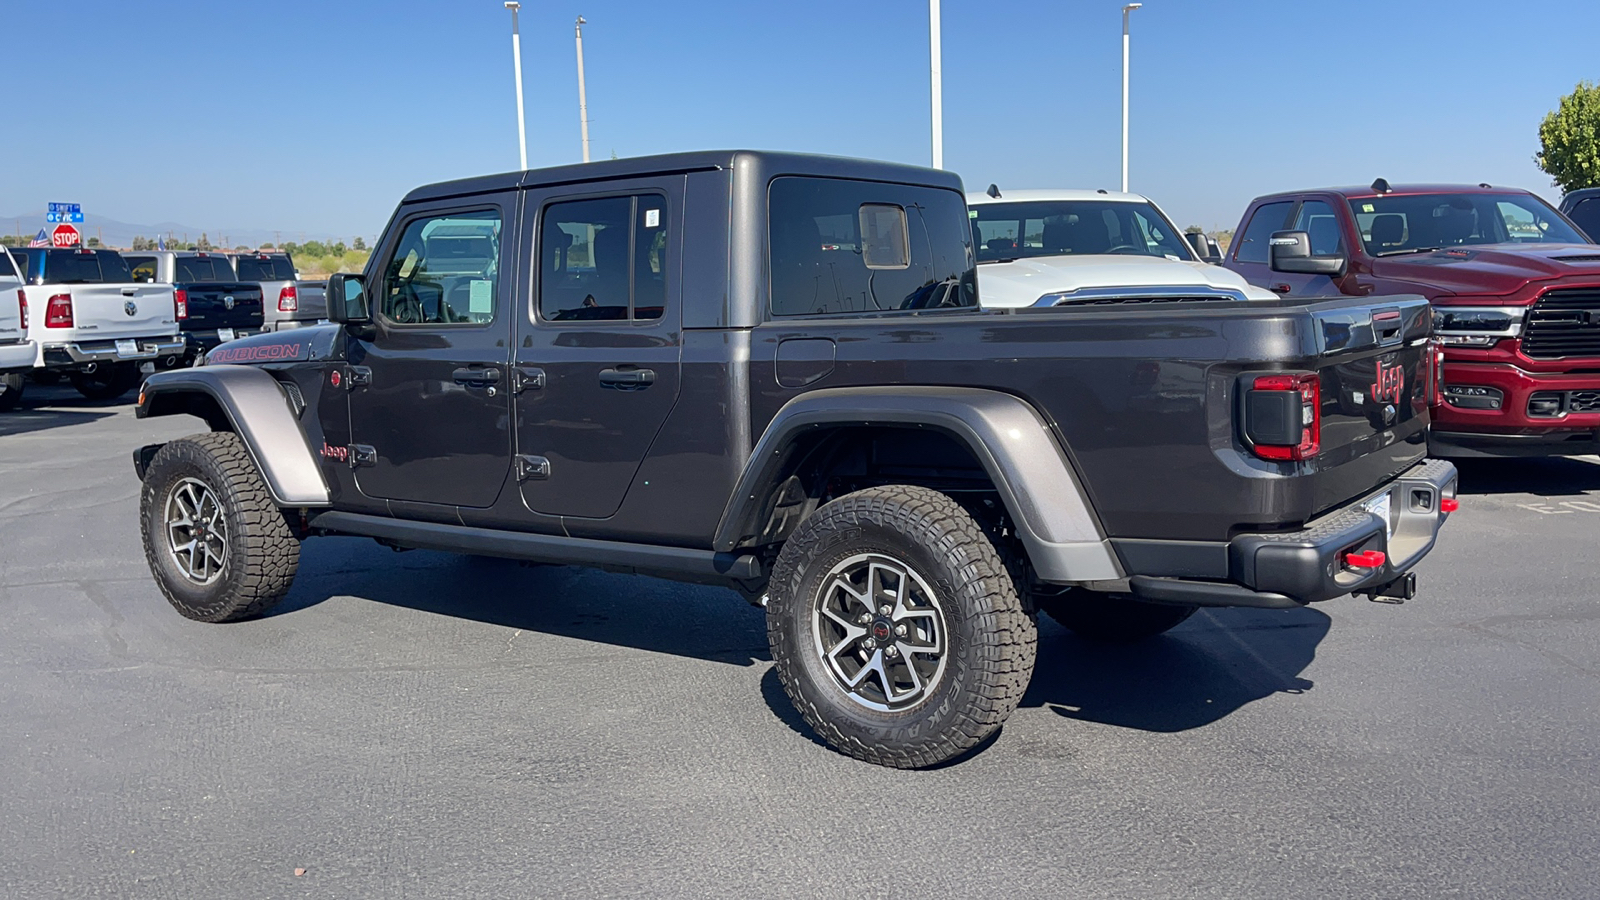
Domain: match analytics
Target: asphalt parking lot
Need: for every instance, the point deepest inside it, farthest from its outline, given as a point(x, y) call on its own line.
point(425, 725)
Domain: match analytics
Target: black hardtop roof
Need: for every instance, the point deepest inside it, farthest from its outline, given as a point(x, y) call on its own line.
point(769, 162)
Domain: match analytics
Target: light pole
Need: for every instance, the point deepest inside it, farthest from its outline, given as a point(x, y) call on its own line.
point(1125, 10)
point(937, 78)
point(516, 63)
point(583, 103)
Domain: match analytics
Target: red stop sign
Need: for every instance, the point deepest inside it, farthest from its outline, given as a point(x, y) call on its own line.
point(65, 236)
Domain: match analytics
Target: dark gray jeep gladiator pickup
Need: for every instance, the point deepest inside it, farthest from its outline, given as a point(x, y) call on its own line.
point(770, 372)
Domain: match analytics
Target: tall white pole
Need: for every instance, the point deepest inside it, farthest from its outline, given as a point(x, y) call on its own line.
point(1125, 10)
point(516, 64)
point(937, 76)
point(583, 103)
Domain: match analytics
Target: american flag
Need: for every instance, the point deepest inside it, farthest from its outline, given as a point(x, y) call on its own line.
point(40, 240)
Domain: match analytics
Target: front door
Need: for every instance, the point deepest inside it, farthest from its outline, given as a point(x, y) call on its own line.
point(429, 407)
point(597, 369)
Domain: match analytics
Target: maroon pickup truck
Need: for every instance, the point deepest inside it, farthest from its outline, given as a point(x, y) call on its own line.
point(1514, 285)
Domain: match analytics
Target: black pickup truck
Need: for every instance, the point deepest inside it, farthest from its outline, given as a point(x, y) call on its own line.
point(213, 305)
point(770, 372)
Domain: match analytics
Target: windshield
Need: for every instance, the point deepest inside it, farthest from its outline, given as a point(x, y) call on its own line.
point(1413, 223)
point(1007, 231)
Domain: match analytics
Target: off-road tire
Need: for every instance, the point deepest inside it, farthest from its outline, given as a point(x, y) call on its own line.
point(107, 382)
point(990, 640)
point(262, 553)
point(1112, 618)
point(11, 390)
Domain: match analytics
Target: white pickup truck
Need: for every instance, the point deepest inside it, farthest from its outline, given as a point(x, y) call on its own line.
point(90, 321)
point(16, 351)
point(1045, 248)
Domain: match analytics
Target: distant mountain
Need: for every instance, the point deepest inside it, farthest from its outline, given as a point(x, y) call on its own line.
point(121, 234)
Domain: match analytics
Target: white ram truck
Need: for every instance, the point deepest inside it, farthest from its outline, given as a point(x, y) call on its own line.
point(1050, 248)
point(90, 321)
point(16, 351)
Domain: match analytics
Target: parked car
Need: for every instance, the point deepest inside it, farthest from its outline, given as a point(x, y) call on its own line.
point(288, 304)
point(90, 321)
point(1033, 244)
point(1583, 208)
point(17, 353)
point(214, 305)
point(771, 372)
point(1515, 287)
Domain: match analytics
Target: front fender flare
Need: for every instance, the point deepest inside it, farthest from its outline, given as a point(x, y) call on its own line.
point(1051, 512)
point(257, 411)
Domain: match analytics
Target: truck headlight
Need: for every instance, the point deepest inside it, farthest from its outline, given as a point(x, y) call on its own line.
point(1476, 326)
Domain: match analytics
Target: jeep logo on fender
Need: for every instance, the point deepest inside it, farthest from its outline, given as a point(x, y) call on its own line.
point(1389, 383)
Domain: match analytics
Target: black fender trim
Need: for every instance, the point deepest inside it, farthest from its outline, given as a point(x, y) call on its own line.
point(258, 411)
point(1053, 515)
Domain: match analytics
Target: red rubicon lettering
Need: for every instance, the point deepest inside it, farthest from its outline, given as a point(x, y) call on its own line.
point(260, 353)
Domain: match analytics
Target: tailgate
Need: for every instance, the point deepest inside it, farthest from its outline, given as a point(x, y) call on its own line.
point(217, 305)
point(1376, 381)
point(109, 311)
point(313, 300)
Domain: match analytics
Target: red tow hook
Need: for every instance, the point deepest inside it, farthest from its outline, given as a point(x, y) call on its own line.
point(1449, 504)
point(1369, 559)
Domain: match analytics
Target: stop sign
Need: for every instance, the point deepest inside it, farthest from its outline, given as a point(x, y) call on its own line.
point(65, 236)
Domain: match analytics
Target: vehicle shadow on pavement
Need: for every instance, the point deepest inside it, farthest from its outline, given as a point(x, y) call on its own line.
point(1549, 476)
point(24, 420)
point(584, 604)
point(1201, 671)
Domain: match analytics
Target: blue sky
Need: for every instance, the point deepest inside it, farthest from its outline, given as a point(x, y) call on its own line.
point(317, 116)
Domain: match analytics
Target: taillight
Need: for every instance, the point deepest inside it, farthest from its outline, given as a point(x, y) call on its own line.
point(180, 304)
point(58, 312)
point(288, 299)
point(22, 307)
point(1283, 416)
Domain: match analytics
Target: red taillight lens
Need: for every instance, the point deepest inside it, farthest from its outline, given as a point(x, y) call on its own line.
point(1308, 386)
point(58, 312)
point(180, 304)
point(22, 307)
point(288, 299)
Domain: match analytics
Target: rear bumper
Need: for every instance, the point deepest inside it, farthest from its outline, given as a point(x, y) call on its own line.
point(18, 356)
point(1282, 570)
point(83, 352)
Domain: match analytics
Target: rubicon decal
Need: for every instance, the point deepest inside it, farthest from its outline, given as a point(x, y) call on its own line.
point(1389, 383)
point(259, 353)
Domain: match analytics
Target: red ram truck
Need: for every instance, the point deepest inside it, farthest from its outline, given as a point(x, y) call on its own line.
point(1515, 289)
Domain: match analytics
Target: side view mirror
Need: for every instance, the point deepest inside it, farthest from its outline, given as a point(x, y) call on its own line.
point(347, 299)
point(1203, 247)
point(1291, 252)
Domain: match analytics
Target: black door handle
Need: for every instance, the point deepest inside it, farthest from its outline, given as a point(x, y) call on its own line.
point(476, 377)
point(628, 379)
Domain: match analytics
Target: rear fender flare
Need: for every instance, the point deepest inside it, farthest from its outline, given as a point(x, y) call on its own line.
point(255, 408)
point(1052, 514)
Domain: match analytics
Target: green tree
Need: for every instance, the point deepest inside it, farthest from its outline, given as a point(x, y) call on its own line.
point(268, 246)
point(204, 243)
point(359, 244)
point(1569, 140)
point(92, 242)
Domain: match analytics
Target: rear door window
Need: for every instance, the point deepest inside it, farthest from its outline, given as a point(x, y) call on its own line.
point(1269, 217)
point(1586, 215)
point(604, 259)
point(839, 246)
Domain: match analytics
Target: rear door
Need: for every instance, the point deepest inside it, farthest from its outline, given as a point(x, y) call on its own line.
point(597, 368)
point(430, 408)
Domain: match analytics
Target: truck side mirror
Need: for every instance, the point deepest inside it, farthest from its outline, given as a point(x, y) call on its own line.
point(347, 299)
point(1291, 252)
point(1203, 247)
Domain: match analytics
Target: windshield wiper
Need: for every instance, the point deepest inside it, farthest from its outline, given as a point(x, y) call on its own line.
point(1409, 251)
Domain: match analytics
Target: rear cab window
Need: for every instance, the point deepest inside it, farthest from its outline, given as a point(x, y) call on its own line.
point(843, 246)
point(201, 269)
point(84, 267)
point(264, 268)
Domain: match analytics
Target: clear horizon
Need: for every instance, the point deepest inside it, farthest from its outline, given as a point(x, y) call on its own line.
point(317, 118)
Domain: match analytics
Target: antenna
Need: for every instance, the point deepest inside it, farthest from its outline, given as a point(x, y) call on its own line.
point(993, 191)
point(1381, 186)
